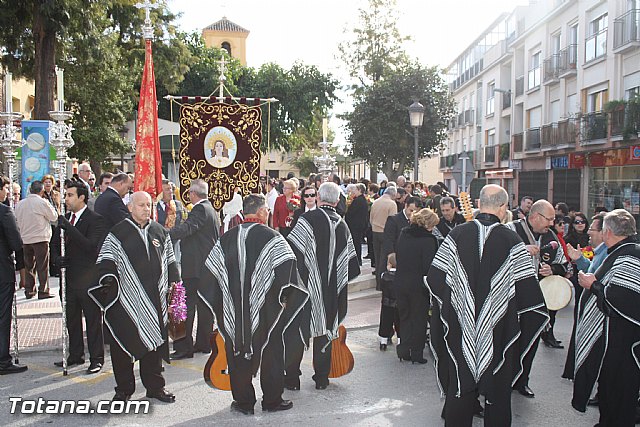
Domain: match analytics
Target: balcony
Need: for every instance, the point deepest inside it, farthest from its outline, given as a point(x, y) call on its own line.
point(550, 69)
point(533, 81)
point(568, 61)
point(520, 86)
point(468, 117)
point(567, 132)
point(504, 152)
point(490, 154)
point(618, 119)
point(626, 31)
point(595, 46)
point(532, 140)
point(549, 135)
point(593, 128)
point(506, 100)
point(518, 140)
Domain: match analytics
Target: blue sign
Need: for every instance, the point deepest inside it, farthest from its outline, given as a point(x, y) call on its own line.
point(35, 152)
point(561, 162)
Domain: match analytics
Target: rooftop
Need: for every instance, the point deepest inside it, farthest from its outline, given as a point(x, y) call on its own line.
point(225, 25)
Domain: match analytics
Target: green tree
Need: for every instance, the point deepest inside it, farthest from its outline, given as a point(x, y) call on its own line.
point(378, 127)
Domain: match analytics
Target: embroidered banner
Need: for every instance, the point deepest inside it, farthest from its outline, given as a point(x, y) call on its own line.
point(220, 143)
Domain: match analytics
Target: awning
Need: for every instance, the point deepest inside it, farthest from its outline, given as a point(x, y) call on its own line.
point(499, 174)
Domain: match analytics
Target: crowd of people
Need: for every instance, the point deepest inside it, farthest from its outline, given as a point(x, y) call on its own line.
point(270, 271)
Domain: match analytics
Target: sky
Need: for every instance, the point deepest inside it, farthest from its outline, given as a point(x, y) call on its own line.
point(309, 31)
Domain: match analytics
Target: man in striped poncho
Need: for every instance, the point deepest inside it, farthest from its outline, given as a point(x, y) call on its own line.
point(253, 291)
point(326, 263)
point(136, 266)
point(608, 326)
point(487, 311)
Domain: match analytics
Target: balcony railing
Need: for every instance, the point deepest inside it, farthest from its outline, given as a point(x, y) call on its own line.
point(506, 100)
point(490, 154)
point(593, 126)
point(568, 60)
point(618, 119)
point(520, 86)
point(518, 142)
point(626, 29)
point(532, 139)
point(595, 46)
point(504, 152)
point(549, 136)
point(567, 132)
point(534, 78)
point(551, 68)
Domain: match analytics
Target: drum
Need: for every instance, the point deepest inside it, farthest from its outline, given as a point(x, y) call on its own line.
point(556, 291)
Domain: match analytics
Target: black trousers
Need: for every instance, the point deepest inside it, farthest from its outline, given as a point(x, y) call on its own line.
point(570, 363)
point(381, 265)
point(369, 235)
point(458, 411)
point(7, 290)
point(79, 302)
point(321, 360)
point(205, 320)
point(527, 362)
point(357, 242)
point(271, 374)
point(619, 378)
point(413, 309)
point(150, 370)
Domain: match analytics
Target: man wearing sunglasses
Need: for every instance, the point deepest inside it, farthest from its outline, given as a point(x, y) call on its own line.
point(548, 259)
point(309, 197)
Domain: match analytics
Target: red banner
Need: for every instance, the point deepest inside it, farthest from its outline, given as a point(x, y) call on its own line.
point(148, 173)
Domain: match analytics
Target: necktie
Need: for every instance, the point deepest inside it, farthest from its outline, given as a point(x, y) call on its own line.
point(73, 219)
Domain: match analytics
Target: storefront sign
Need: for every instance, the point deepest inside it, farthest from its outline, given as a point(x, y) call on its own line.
point(577, 161)
point(634, 152)
point(515, 164)
point(561, 162)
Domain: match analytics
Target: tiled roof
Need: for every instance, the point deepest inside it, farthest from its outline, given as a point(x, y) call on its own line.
point(225, 25)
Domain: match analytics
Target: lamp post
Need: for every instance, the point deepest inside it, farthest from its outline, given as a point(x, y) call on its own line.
point(416, 115)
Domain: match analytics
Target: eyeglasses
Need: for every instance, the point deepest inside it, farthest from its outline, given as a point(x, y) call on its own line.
point(548, 219)
point(306, 196)
point(579, 221)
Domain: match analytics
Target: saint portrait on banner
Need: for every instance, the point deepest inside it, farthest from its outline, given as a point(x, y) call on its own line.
point(220, 147)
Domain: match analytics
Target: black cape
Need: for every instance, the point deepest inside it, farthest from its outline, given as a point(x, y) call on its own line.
point(617, 292)
point(327, 262)
point(251, 286)
point(487, 306)
point(135, 311)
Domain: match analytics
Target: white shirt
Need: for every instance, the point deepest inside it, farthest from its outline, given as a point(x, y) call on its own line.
point(271, 198)
point(78, 214)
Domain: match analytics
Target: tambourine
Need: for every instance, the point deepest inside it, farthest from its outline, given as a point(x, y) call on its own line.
point(556, 291)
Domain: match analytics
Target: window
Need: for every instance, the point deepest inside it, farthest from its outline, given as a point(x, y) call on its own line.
point(534, 117)
point(573, 106)
point(596, 42)
point(491, 137)
point(632, 93)
point(491, 87)
point(555, 43)
point(573, 34)
point(596, 101)
point(226, 46)
point(471, 104)
point(534, 71)
point(554, 111)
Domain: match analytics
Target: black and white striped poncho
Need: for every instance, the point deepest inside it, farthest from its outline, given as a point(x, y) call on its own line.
point(143, 263)
point(250, 284)
point(326, 263)
point(619, 276)
point(487, 307)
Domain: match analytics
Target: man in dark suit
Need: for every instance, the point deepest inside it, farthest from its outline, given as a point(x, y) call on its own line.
point(392, 228)
point(84, 232)
point(110, 204)
point(357, 218)
point(197, 236)
point(10, 242)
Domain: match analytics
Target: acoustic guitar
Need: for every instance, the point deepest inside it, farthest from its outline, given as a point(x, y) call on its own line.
point(466, 206)
point(341, 357)
point(216, 372)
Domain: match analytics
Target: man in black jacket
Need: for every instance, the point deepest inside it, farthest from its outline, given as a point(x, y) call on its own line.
point(10, 242)
point(110, 204)
point(84, 232)
point(357, 218)
point(198, 234)
point(450, 218)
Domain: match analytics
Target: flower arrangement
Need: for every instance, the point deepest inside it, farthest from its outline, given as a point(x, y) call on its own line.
point(177, 311)
point(369, 199)
point(587, 252)
point(293, 203)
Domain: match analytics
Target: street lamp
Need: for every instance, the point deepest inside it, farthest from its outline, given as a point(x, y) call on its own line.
point(416, 114)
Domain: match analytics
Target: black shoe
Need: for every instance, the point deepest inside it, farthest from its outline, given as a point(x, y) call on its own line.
point(321, 383)
point(405, 358)
point(594, 402)
point(29, 295)
point(162, 395)
point(548, 340)
point(45, 295)
point(121, 396)
point(181, 355)
point(383, 347)
point(94, 368)
point(283, 406)
point(525, 391)
point(12, 368)
point(421, 361)
point(235, 407)
point(291, 382)
point(70, 362)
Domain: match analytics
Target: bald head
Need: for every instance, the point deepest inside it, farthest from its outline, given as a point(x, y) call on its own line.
point(493, 200)
point(541, 216)
point(140, 207)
